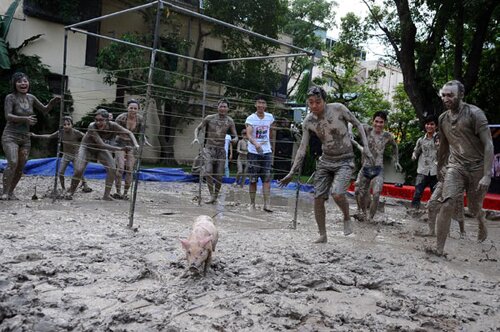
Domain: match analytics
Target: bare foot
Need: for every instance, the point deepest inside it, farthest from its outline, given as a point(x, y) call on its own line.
point(265, 208)
point(107, 198)
point(347, 227)
point(252, 208)
point(212, 200)
point(322, 239)
point(435, 251)
point(86, 189)
point(482, 233)
point(117, 196)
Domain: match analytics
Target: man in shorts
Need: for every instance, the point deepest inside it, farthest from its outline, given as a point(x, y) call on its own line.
point(261, 135)
point(214, 153)
point(371, 173)
point(466, 148)
point(330, 124)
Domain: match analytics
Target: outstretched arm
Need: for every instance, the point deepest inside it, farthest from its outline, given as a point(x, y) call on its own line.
point(45, 136)
point(45, 108)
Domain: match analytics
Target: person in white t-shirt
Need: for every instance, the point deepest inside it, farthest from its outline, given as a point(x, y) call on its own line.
point(261, 139)
point(229, 154)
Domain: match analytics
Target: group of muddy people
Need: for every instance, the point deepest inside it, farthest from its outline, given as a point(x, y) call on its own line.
point(454, 155)
point(112, 143)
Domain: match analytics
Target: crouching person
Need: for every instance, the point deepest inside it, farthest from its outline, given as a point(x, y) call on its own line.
point(93, 147)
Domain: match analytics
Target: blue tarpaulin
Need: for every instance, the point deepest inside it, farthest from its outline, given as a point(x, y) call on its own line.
point(47, 167)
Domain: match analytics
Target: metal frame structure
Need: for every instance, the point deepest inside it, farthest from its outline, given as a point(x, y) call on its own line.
point(160, 6)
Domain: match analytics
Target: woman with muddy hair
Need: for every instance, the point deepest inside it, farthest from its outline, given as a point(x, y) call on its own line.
point(125, 160)
point(16, 143)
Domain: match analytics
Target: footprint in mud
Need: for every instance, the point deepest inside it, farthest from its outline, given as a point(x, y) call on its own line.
point(28, 257)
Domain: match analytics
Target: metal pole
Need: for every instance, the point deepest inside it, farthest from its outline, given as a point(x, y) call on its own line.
point(203, 103)
point(148, 98)
point(100, 18)
point(297, 193)
point(263, 57)
point(61, 110)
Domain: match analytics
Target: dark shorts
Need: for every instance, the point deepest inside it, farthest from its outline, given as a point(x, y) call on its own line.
point(259, 165)
point(21, 140)
point(214, 159)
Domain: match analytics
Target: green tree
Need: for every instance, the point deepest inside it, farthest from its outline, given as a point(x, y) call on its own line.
point(416, 31)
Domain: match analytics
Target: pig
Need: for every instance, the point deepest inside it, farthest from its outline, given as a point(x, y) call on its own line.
point(200, 244)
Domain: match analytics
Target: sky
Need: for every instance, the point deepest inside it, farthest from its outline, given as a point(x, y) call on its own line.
point(373, 48)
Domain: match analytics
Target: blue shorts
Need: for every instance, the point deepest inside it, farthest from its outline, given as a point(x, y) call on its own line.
point(259, 165)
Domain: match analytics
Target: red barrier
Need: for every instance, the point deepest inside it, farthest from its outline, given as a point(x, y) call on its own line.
point(491, 201)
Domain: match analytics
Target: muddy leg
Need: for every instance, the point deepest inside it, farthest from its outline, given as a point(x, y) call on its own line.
point(433, 207)
point(252, 189)
point(11, 151)
point(107, 160)
point(343, 204)
point(62, 170)
point(23, 153)
point(120, 166)
point(482, 233)
point(320, 216)
point(266, 191)
point(374, 205)
point(443, 224)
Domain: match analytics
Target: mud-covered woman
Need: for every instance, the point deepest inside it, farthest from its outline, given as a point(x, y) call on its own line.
point(16, 140)
point(125, 160)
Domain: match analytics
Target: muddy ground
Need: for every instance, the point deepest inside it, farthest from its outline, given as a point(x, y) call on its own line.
point(76, 266)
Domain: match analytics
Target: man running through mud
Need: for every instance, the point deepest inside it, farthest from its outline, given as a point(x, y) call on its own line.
point(371, 173)
point(94, 146)
point(330, 124)
point(466, 148)
point(214, 153)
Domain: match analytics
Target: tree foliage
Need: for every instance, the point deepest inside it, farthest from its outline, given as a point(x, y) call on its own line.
point(423, 35)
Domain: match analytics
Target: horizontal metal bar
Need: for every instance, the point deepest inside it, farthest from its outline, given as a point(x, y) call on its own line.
point(263, 57)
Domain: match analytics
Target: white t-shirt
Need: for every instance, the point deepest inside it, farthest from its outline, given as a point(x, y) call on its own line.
point(261, 131)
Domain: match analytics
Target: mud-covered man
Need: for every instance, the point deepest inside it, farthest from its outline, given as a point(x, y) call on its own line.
point(425, 152)
point(214, 153)
point(371, 173)
point(466, 148)
point(330, 124)
point(95, 146)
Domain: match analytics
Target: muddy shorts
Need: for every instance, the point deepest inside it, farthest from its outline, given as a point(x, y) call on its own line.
point(20, 140)
point(214, 159)
point(259, 165)
point(363, 182)
point(456, 181)
point(435, 202)
point(330, 172)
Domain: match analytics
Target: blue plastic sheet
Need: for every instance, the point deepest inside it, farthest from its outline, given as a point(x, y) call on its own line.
point(47, 167)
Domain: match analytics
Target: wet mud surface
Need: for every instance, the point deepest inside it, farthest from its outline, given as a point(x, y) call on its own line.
point(76, 266)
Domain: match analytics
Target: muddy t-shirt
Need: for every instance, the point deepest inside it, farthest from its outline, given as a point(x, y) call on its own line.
point(462, 133)
point(377, 144)
point(13, 106)
point(332, 130)
point(216, 129)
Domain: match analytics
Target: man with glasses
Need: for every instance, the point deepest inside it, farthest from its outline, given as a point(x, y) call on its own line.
point(93, 147)
point(330, 124)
